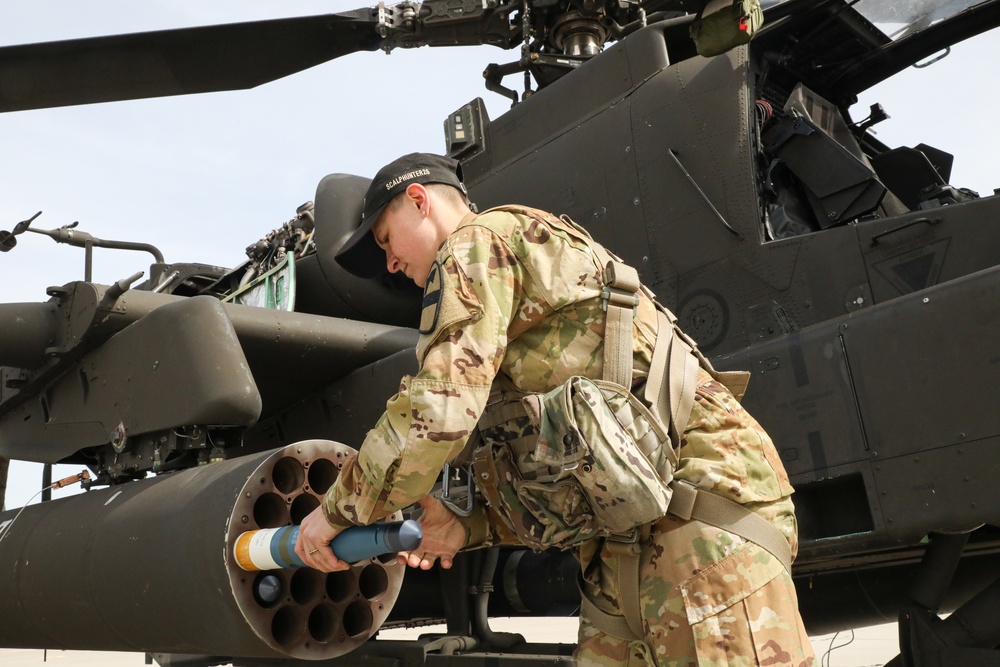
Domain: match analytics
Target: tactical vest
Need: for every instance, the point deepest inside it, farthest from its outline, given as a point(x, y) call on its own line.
point(590, 459)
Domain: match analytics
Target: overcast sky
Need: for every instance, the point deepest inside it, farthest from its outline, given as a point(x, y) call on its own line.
point(203, 176)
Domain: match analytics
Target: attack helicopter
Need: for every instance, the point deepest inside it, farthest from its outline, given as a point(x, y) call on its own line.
point(851, 277)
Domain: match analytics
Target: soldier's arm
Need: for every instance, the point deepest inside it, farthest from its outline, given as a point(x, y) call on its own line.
point(429, 421)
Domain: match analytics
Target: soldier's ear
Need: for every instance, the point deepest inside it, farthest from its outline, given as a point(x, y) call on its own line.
point(418, 195)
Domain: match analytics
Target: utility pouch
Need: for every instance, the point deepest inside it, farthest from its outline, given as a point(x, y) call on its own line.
point(547, 510)
point(611, 444)
point(724, 24)
point(599, 464)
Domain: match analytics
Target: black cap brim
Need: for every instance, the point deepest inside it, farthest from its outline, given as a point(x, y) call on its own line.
point(360, 254)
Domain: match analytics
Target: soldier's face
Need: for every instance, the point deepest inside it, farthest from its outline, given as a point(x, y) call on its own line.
point(410, 241)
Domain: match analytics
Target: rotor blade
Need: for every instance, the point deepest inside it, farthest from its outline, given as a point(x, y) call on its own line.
point(176, 62)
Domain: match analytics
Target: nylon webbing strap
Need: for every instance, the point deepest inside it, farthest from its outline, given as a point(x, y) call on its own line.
point(619, 299)
point(673, 375)
point(683, 379)
point(654, 392)
point(628, 626)
point(627, 554)
point(501, 413)
point(735, 381)
point(610, 624)
point(691, 503)
point(617, 368)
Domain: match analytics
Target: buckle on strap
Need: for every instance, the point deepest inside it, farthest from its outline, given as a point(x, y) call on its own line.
point(627, 544)
point(689, 502)
point(452, 496)
point(619, 297)
point(630, 537)
point(610, 624)
point(621, 286)
point(682, 499)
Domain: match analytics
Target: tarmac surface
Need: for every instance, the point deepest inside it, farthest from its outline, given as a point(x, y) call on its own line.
point(865, 647)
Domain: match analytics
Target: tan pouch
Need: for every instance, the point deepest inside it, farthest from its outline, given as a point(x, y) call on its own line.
point(607, 440)
point(585, 459)
point(543, 511)
point(725, 24)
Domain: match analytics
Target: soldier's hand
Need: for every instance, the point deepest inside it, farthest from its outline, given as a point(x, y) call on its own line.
point(443, 537)
point(313, 545)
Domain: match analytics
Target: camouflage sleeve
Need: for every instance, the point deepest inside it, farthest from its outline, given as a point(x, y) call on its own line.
point(469, 302)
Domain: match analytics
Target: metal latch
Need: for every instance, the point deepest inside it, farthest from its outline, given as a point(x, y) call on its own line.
point(619, 297)
point(453, 495)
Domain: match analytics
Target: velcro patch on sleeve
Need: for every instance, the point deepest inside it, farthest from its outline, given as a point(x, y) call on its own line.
point(431, 308)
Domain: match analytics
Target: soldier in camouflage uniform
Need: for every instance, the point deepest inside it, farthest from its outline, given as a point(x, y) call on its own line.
point(516, 291)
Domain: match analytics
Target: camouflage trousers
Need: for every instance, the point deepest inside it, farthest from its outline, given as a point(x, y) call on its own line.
point(708, 598)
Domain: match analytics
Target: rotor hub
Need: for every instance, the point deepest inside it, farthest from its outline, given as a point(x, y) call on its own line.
point(579, 34)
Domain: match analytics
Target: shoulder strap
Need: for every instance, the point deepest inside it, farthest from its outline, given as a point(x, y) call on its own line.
point(619, 299)
point(669, 391)
point(673, 376)
point(690, 502)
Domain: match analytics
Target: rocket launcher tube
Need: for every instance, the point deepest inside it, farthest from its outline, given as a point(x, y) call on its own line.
point(274, 548)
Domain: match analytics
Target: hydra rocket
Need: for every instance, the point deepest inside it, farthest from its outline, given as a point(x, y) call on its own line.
point(274, 548)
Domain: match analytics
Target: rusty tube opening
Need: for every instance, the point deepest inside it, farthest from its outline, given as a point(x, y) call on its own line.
point(270, 511)
point(306, 585)
point(323, 623)
point(322, 474)
point(302, 506)
point(289, 475)
point(287, 625)
point(357, 619)
point(341, 586)
point(373, 582)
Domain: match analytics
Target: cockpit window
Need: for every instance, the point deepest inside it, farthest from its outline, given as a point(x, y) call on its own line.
point(892, 140)
point(962, 126)
point(901, 18)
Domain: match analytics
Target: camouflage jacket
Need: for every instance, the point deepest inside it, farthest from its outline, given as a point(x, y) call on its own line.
point(514, 290)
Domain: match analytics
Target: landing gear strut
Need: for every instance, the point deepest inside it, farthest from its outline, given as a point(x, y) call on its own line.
point(967, 637)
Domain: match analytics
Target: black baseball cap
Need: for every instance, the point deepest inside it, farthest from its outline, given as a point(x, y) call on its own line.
point(360, 254)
